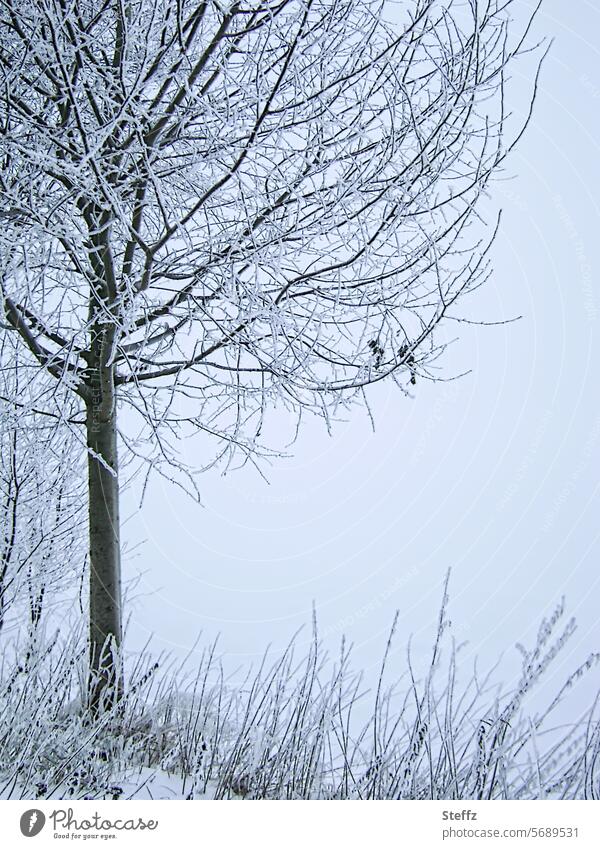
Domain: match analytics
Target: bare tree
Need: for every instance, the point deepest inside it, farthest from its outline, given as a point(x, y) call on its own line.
point(210, 207)
point(41, 552)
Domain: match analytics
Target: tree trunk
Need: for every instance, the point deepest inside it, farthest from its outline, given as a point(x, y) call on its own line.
point(105, 556)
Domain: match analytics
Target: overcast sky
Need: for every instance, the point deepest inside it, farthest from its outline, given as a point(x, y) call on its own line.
point(494, 475)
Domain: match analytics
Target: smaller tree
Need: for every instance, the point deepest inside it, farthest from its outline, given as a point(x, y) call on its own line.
point(42, 550)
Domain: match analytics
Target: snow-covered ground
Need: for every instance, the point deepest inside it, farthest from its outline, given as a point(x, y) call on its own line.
point(301, 728)
point(147, 783)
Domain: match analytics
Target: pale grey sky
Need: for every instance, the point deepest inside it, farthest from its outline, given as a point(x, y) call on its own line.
point(495, 474)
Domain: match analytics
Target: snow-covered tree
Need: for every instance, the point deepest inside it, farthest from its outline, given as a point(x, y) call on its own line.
point(211, 206)
point(41, 507)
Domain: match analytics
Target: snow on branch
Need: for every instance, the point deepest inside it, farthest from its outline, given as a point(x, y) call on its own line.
point(249, 203)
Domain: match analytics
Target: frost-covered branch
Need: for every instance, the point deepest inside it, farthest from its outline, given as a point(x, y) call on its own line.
point(283, 192)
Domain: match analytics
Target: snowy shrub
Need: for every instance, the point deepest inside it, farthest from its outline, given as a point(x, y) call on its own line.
point(297, 729)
